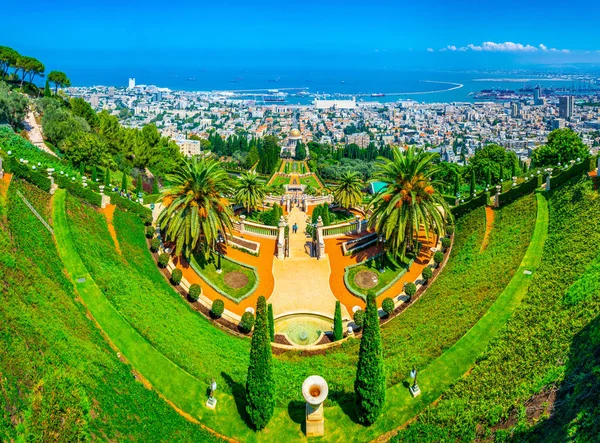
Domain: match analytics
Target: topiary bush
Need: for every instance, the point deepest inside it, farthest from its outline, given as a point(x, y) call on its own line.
point(388, 305)
point(176, 276)
point(218, 306)
point(163, 260)
point(194, 292)
point(154, 244)
point(446, 242)
point(450, 229)
point(150, 231)
point(246, 322)
point(359, 318)
point(410, 289)
point(438, 257)
point(271, 322)
point(427, 273)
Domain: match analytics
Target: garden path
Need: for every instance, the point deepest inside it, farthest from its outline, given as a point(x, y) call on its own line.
point(109, 212)
point(34, 133)
point(4, 182)
point(489, 224)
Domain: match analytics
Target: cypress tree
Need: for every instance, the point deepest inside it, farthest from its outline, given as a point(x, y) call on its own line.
point(140, 187)
point(155, 186)
point(489, 177)
point(456, 184)
point(326, 215)
point(107, 178)
point(260, 401)
point(124, 182)
point(513, 170)
point(338, 331)
point(271, 322)
point(501, 173)
point(369, 386)
point(47, 90)
point(82, 168)
point(472, 189)
point(94, 174)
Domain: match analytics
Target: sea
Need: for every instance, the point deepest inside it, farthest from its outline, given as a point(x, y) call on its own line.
point(421, 85)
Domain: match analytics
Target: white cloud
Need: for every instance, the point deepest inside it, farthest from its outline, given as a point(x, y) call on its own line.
point(429, 49)
point(503, 47)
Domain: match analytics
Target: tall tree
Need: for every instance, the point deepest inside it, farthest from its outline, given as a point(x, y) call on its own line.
point(410, 200)
point(8, 59)
point(29, 66)
point(348, 193)
point(195, 206)
point(47, 91)
point(59, 79)
point(249, 192)
point(338, 329)
point(563, 146)
point(260, 395)
point(369, 386)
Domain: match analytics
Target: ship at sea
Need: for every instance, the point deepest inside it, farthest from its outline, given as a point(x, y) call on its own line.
point(378, 94)
point(273, 98)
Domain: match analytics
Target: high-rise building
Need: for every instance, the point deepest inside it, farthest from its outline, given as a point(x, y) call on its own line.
point(94, 100)
point(131, 83)
point(515, 110)
point(565, 106)
point(537, 96)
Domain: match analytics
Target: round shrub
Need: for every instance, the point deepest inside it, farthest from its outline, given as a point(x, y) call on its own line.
point(247, 322)
point(438, 257)
point(163, 260)
point(410, 289)
point(147, 220)
point(154, 244)
point(450, 229)
point(359, 318)
point(150, 230)
point(427, 273)
point(388, 305)
point(194, 292)
point(218, 306)
point(446, 242)
point(176, 276)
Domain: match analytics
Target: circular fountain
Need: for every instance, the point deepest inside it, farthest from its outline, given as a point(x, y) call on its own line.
point(303, 329)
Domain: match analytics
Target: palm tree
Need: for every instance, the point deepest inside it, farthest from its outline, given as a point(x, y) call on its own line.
point(410, 200)
point(348, 193)
point(249, 192)
point(195, 206)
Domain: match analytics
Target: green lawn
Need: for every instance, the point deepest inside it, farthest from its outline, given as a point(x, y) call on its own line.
point(551, 343)
point(150, 360)
point(208, 271)
point(280, 181)
point(51, 341)
point(391, 272)
point(311, 181)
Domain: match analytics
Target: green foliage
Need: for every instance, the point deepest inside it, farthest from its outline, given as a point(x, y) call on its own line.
point(218, 306)
point(446, 242)
point(427, 273)
point(260, 403)
point(59, 79)
point(163, 260)
point(59, 124)
point(81, 108)
point(563, 146)
point(300, 151)
point(246, 322)
point(438, 257)
point(369, 386)
point(359, 318)
point(387, 305)
point(61, 381)
point(271, 322)
point(348, 193)
point(557, 338)
point(154, 244)
point(176, 276)
point(139, 184)
point(450, 229)
point(155, 186)
point(410, 289)
point(338, 329)
point(13, 106)
point(487, 163)
point(124, 183)
point(150, 231)
point(249, 192)
point(194, 292)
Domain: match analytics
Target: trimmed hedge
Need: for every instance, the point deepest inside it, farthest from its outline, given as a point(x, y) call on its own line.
point(176, 276)
point(194, 292)
point(410, 289)
point(470, 204)
point(247, 322)
point(24, 171)
point(128, 205)
point(218, 307)
point(524, 188)
point(359, 318)
point(75, 188)
point(163, 260)
point(388, 305)
point(427, 273)
point(438, 257)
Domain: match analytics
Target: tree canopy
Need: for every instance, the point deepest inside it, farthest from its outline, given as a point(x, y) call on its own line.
point(59, 79)
point(563, 146)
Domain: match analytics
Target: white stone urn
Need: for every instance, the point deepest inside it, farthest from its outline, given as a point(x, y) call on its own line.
point(315, 390)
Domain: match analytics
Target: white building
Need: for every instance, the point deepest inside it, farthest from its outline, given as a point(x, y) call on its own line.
point(335, 104)
point(131, 83)
point(188, 147)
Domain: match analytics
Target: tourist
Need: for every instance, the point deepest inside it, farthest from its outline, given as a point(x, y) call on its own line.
point(295, 228)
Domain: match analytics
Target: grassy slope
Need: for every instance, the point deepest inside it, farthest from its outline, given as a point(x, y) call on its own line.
point(551, 342)
point(399, 403)
point(50, 337)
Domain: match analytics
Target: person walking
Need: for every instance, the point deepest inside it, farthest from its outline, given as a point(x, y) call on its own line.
point(295, 228)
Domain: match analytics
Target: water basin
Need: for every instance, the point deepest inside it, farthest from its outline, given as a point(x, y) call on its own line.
point(303, 329)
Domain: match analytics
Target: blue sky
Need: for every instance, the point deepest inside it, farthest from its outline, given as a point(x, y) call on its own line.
point(434, 32)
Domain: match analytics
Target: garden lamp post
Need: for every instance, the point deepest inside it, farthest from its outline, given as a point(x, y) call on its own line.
point(414, 389)
point(212, 401)
point(220, 240)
